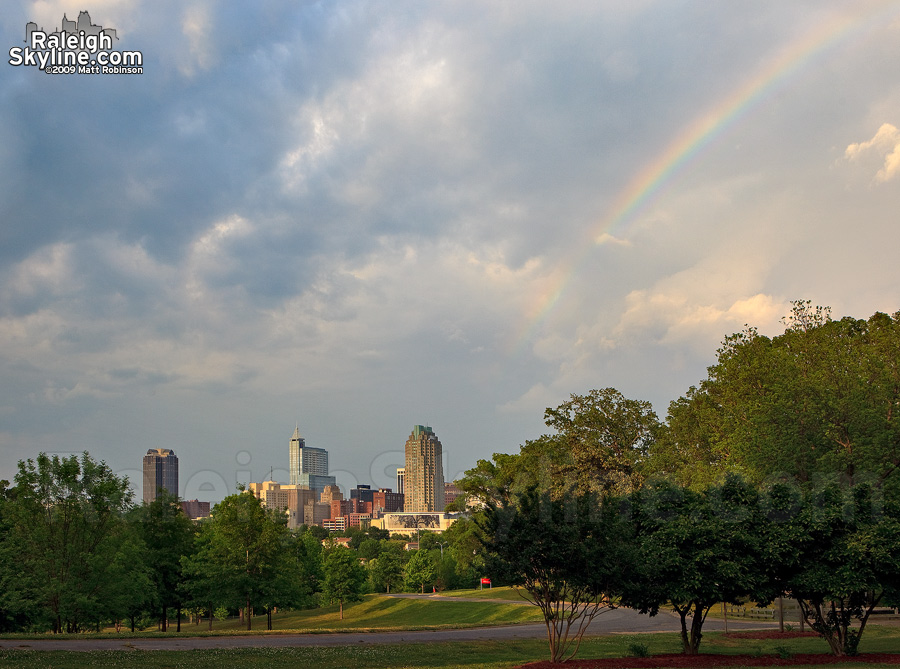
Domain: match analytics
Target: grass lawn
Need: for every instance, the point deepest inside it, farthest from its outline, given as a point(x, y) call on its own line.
point(504, 592)
point(450, 655)
point(374, 612)
point(390, 613)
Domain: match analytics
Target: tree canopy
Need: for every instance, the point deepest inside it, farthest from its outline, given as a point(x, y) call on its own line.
point(567, 554)
point(695, 550)
point(820, 401)
point(65, 530)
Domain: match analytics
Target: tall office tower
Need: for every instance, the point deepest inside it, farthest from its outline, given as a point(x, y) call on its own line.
point(424, 476)
point(308, 466)
point(401, 477)
point(160, 471)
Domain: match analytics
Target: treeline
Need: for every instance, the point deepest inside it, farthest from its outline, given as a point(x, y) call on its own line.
point(77, 555)
point(776, 475)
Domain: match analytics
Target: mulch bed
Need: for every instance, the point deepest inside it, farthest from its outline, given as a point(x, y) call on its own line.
point(769, 634)
point(711, 660)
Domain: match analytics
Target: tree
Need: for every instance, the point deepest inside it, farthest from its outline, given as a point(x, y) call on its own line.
point(244, 552)
point(600, 442)
point(370, 549)
point(465, 547)
point(496, 481)
point(202, 573)
point(316, 531)
point(420, 570)
point(690, 449)
point(344, 577)
point(307, 550)
point(695, 550)
point(820, 400)
point(66, 527)
point(168, 535)
point(606, 436)
point(843, 557)
point(566, 554)
point(386, 570)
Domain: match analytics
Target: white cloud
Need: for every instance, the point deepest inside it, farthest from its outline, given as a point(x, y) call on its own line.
point(367, 216)
point(885, 145)
point(197, 28)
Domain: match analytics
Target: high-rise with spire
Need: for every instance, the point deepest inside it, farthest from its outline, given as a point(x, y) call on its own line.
point(308, 466)
point(424, 471)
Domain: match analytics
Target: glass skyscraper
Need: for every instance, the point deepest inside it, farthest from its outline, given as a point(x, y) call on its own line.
point(160, 471)
point(308, 466)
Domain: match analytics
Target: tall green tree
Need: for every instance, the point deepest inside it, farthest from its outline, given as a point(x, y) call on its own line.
point(842, 559)
point(819, 401)
point(466, 548)
point(606, 436)
point(243, 552)
point(695, 550)
point(498, 480)
point(420, 570)
point(345, 577)
point(600, 442)
point(386, 570)
point(168, 535)
point(65, 527)
point(202, 573)
point(567, 555)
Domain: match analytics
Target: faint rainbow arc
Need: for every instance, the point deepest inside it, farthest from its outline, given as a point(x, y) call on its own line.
point(697, 135)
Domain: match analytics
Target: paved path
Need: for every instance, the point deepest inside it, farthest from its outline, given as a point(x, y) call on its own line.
point(618, 621)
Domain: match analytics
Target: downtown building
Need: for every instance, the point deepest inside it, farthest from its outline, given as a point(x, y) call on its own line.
point(299, 503)
point(160, 473)
point(423, 476)
point(307, 466)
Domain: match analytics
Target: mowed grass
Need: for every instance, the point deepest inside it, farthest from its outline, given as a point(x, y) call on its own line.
point(378, 612)
point(505, 592)
point(447, 655)
point(373, 613)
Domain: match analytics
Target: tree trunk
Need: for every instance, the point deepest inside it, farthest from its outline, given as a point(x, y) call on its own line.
point(249, 614)
point(210, 616)
point(341, 603)
point(697, 628)
point(690, 639)
point(685, 639)
point(165, 619)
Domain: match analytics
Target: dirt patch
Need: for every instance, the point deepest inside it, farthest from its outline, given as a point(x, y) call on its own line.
point(711, 660)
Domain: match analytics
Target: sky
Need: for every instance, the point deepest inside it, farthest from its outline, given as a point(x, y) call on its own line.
point(354, 217)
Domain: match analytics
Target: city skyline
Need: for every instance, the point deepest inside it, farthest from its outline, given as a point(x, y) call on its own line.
point(367, 215)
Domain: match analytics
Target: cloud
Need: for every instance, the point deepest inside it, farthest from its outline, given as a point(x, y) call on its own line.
point(675, 321)
point(366, 215)
point(885, 144)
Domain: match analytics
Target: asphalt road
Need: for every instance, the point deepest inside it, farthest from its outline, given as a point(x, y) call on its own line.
point(617, 621)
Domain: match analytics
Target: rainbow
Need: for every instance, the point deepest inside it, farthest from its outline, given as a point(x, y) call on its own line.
point(701, 133)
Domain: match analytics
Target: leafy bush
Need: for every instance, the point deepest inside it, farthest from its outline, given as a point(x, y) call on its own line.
point(637, 649)
point(784, 652)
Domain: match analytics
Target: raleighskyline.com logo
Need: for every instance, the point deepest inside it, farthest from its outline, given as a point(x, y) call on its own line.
point(78, 47)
